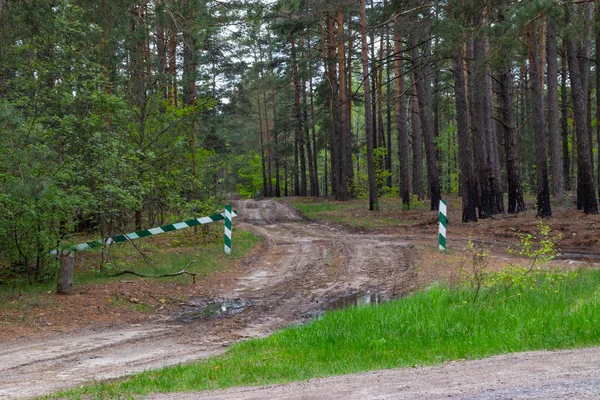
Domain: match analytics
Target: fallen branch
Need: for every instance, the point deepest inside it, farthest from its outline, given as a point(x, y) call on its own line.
point(182, 272)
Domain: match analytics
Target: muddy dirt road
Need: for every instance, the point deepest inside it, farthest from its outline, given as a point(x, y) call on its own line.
point(300, 269)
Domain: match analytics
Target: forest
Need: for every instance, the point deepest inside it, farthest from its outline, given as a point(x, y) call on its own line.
point(128, 114)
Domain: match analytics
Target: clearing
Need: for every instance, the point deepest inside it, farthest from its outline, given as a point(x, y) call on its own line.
point(300, 269)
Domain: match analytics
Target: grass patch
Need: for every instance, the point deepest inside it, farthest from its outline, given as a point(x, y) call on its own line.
point(429, 327)
point(356, 212)
point(167, 253)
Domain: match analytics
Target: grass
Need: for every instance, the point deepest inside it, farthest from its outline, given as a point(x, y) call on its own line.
point(356, 212)
point(168, 253)
point(428, 327)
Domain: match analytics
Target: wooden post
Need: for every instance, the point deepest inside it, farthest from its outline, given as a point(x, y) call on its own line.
point(65, 273)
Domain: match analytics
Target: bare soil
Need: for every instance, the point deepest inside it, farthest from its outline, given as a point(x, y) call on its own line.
point(300, 268)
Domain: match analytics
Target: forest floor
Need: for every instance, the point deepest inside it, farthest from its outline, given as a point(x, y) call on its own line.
point(301, 269)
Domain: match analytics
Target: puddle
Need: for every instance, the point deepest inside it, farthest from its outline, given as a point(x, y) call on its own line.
point(357, 299)
point(257, 221)
point(213, 309)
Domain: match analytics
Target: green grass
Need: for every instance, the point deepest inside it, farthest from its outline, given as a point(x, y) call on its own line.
point(429, 327)
point(168, 253)
point(356, 212)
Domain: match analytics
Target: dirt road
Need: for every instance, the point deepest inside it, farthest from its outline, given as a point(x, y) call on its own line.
point(301, 269)
point(541, 375)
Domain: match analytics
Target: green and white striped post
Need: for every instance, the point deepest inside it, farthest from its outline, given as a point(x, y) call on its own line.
point(228, 229)
point(443, 223)
point(155, 231)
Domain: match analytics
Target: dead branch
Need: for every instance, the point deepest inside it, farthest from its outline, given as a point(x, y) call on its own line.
point(182, 272)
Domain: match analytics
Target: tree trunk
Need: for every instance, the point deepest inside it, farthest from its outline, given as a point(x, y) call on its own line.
point(312, 120)
point(402, 122)
point(262, 145)
point(507, 111)
point(65, 273)
point(537, 109)
point(564, 118)
point(598, 91)
point(426, 126)
point(465, 156)
point(330, 59)
point(417, 143)
point(344, 138)
point(373, 202)
point(269, 192)
point(556, 164)
point(585, 179)
point(379, 97)
point(172, 92)
point(301, 181)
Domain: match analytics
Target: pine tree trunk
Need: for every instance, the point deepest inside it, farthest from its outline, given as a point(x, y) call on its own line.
point(373, 202)
point(556, 163)
point(465, 156)
point(507, 111)
point(585, 179)
point(426, 126)
point(299, 182)
point(262, 145)
point(564, 117)
point(417, 143)
point(312, 120)
point(344, 138)
point(537, 109)
point(479, 92)
point(402, 122)
point(330, 58)
point(381, 143)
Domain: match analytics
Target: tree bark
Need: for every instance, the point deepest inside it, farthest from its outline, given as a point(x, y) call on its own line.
point(465, 155)
point(330, 59)
point(426, 126)
point(373, 202)
point(344, 139)
point(585, 180)
point(507, 111)
point(417, 143)
point(301, 191)
point(402, 121)
point(556, 164)
point(564, 117)
point(262, 145)
point(537, 108)
point(65, 273)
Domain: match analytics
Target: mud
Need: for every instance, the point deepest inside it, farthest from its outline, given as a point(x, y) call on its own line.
point(300, 269)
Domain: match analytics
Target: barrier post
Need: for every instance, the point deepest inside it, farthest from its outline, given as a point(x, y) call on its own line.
point(442, 227)
point(228, 229)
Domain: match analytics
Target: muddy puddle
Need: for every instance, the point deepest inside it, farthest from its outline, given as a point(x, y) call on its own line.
point(203, 309)
point(358, 298)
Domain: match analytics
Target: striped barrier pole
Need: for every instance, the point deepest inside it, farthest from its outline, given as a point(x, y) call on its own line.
point(443, 223)
point(154, 231)
point(228, 215)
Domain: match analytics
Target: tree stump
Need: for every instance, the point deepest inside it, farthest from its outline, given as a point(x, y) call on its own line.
point(65, 273)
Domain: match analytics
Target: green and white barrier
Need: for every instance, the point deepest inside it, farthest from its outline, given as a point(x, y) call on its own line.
point(162, 229)
point(228, 216)
point(443, 223)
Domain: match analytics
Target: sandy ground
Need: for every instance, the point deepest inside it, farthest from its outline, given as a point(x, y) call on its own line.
point(568, 374)
point(300, 269)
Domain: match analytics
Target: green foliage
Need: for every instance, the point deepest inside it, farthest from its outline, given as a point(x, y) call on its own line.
point(249, 175)
point(539, 249)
